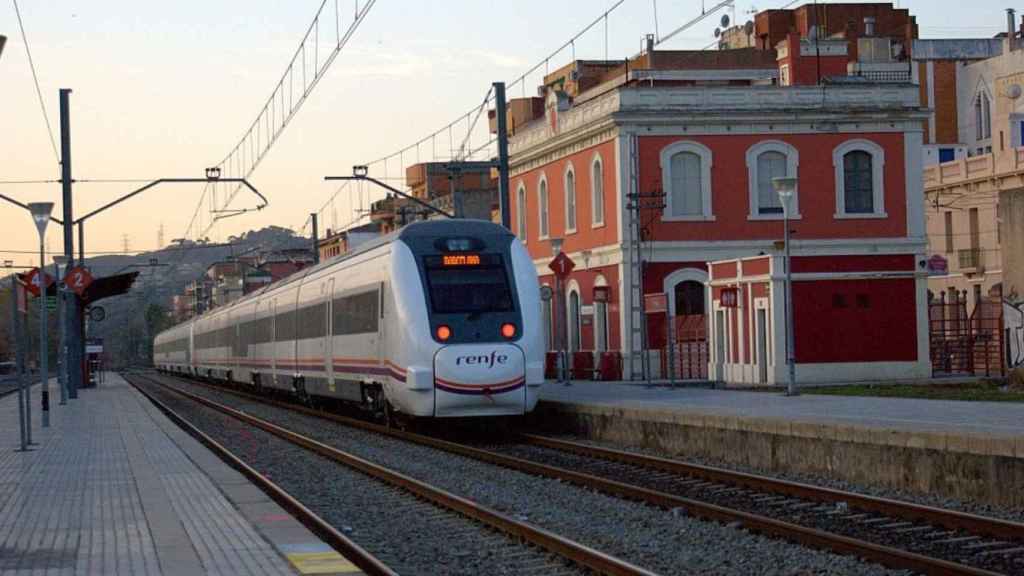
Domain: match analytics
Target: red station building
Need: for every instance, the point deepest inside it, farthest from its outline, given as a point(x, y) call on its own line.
point(674, 152)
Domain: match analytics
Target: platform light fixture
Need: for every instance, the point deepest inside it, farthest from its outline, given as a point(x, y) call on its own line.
point(41, 215)
point(360, 171)
point(785, 187)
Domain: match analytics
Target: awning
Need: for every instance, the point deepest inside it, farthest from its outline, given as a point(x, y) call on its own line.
point(108, 286)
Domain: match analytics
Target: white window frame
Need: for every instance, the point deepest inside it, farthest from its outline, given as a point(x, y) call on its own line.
point(569, 169)
point(596, 198)
point(702, 152)
point(543, 208)
point(877, 178)
point(521, 211)
point(792, 171)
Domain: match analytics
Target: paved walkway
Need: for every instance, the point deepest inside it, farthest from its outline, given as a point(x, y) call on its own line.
point(113, 487)
point(946, 416)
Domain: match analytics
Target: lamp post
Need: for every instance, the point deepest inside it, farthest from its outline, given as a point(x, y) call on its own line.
point(41, 214)
point(60, 263)
point(785, 188)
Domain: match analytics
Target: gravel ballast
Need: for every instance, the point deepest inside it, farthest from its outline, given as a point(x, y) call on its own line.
point(660, 540)
point(408, 534)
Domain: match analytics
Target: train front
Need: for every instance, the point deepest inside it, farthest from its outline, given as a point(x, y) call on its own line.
point(477, 330)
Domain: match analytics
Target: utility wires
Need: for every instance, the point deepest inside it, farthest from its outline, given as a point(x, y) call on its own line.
point(35, 79)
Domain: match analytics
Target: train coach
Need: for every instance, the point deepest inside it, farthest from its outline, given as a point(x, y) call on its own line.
point(439, 319)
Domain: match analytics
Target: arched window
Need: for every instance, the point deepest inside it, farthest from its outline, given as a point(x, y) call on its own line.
point(600, 319)
point(547, 318)
point(570, 200)
point(767, 160)
point(982, 116)
point(574, 320)
point(521, 212)
point(597, 192)
point(689, 298)
point(859, 167)
point(858, 197)
point(686, 176)
point(685, 185)
point(542, 208)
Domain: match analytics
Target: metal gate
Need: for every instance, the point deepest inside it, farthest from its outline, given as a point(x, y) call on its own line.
point(962, 343)
point(686, 356)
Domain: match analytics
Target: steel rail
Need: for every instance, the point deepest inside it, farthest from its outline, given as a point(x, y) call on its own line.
point(558, 545)
point(951, 519)
point(349, 549)
point(892, 557)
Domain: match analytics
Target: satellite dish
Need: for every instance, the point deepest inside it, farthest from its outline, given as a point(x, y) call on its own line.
point(725, 20)
point(748, 28)
point(1013, 91)
point(718, 32)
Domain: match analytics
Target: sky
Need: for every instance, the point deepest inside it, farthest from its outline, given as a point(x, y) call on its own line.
point(166, 89)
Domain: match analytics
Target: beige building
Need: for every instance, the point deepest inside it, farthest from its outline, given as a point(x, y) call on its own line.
point(971, 199)
point(975, 203)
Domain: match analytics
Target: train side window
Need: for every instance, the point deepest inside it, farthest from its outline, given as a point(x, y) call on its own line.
point(357, 313)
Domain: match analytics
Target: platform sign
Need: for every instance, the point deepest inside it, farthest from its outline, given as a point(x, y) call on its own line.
point(656, 303)
point(78, 279)
point(562, 265)
point(729, 297)
point(32, 281)
point(938, 266)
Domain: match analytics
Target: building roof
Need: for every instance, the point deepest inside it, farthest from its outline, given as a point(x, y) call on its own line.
point(957, 48)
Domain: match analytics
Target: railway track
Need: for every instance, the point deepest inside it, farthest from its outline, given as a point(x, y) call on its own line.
point(894, 533)
point(507, 545)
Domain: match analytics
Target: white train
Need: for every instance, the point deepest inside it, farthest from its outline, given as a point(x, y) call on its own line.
point(440, 319)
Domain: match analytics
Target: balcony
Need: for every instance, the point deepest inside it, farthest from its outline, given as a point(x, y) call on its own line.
point(970, 261)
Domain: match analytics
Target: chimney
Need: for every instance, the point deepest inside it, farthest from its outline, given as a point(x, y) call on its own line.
point(1011, 33)
point(649, 42)
point(869, 26)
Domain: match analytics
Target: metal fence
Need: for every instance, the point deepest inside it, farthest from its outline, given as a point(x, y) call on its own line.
point(966, 344)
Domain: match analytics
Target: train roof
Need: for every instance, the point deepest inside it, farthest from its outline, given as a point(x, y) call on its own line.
point(418, 229)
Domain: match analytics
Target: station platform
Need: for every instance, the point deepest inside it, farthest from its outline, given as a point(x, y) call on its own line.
point(114, 487)
point(966, 450)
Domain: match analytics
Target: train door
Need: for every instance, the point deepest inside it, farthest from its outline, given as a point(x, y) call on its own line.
point(273, 343)
point(328, 295)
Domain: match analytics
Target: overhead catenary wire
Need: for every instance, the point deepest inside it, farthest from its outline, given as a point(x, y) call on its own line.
point(431, 137)
point(270, 122)
point(35, 79)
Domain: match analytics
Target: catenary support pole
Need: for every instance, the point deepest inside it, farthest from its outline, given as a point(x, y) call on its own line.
point(503, 180)
point(26, 380)
point(61, 360)
point(72, 337)
point(316, 239)
point(19, 364)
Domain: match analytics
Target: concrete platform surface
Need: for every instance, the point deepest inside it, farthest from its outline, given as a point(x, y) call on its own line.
point(904, 414)
point(114, 487)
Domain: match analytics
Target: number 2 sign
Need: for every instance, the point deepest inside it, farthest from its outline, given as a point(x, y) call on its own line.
point(78, 279)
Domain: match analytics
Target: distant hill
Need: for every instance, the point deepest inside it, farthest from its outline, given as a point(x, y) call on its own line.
point(124, 328)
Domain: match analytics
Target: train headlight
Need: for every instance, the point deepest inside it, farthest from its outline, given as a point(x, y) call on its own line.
point(508, 330)
point(444, 333)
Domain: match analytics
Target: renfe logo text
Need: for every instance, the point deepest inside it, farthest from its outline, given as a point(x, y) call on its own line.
point(482, 360)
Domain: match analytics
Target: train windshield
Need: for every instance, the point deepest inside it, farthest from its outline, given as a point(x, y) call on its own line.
point(473, 285)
